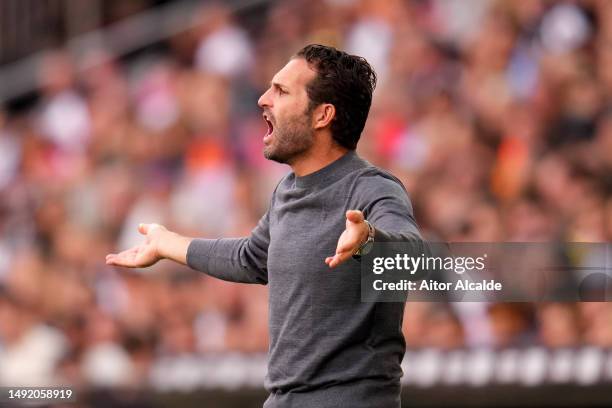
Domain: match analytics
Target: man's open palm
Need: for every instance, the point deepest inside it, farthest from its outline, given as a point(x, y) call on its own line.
point(142, 255)
point(354, 235)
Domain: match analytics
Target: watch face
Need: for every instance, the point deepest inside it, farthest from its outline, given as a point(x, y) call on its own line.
point(367, 247)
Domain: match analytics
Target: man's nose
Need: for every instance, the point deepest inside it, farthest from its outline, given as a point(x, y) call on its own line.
point(264, 100)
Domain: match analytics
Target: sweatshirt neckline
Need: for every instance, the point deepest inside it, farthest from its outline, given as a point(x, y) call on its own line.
point(328, 174)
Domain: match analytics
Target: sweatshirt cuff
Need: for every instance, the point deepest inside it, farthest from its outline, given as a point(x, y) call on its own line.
point(380, 235)
point(198, 253)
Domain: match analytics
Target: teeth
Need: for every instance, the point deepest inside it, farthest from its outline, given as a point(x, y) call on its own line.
point(269, 123)
point(267, 117)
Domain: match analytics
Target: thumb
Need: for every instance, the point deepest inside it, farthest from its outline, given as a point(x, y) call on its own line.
point(143, 228)
point(354, 216)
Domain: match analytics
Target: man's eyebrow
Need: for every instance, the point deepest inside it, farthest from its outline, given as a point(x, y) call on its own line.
point(278, 85)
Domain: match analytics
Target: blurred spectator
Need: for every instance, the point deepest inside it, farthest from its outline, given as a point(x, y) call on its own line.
point(224, 48)
point(559, 325)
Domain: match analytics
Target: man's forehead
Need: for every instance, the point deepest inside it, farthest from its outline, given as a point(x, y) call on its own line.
point(295, 73)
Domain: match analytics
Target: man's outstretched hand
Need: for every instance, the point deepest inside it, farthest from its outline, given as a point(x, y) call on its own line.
point(142, 255)
point(355, 234)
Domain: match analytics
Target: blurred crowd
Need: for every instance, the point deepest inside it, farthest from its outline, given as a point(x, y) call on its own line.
point(496, 115)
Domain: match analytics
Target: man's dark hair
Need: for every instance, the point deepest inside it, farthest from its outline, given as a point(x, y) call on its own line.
point(347, 82)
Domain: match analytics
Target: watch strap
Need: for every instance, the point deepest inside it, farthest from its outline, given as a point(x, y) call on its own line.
point(365, 247)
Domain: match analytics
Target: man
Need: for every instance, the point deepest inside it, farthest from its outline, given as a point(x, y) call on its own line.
point(327, 348)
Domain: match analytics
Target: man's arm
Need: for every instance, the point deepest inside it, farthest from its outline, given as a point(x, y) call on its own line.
point(232, 259)
point(159, 244)
point(384, 203)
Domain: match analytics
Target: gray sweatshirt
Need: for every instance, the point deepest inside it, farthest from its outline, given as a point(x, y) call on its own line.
point(327, 348)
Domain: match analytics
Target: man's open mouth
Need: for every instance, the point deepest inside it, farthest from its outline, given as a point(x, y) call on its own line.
point(270, 128)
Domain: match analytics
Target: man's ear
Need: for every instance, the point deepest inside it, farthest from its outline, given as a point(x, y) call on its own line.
point(323, 115)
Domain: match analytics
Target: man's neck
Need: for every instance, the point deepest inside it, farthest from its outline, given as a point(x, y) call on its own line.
point(316, 159)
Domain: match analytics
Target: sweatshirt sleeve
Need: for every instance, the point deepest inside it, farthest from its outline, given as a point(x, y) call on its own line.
point(234, 259)
point(386, 205)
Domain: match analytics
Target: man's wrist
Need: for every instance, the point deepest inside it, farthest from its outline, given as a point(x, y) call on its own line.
point(366, 232)
point(161, 243)
point(370, 231)
point(367, 242)
point(173, 246)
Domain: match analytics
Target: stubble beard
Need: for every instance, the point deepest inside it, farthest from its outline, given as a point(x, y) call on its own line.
point(291, 140)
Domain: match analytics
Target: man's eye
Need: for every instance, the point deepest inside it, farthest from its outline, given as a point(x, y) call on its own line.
point(281, 91)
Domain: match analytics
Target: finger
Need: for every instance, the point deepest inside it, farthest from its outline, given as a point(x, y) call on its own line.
point(143, 228)
point(125, 258)
point(330, 261)
point(127, 263)
point(354, 216)
point(114, 260)
point(338, 259)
